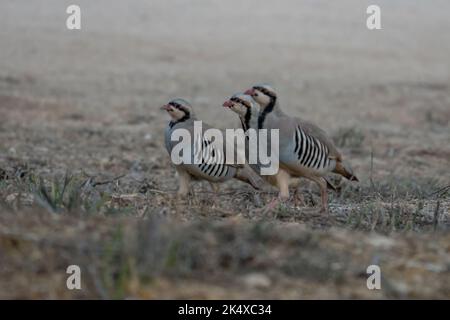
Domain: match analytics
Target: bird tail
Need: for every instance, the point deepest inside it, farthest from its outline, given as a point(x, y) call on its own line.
point(246, 174)
point(330, 185)
point(345, 170)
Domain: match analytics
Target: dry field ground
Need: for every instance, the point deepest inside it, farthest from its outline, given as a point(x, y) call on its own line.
point(85, 178)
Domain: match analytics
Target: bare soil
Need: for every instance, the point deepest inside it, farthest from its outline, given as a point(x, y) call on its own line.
point(85, 178)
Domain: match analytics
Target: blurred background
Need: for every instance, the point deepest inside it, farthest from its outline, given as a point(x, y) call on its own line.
point(87, 102)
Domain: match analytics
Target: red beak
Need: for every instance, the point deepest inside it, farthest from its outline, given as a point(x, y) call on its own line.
point(165, 107)
point(228, 104)
point(250, 92)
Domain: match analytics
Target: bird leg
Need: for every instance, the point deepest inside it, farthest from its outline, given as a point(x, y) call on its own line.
point(184, 183)
point(215, 189)
point(298, 197)
point(282, 179)
point(323, 192)
point(282, 182)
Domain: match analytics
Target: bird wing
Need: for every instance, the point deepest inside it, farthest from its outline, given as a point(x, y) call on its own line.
point(316, 132)
point(303, 145)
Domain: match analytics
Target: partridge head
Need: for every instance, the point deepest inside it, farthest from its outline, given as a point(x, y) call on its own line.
point(263, 94)
point(245, 107)
point(179, 110)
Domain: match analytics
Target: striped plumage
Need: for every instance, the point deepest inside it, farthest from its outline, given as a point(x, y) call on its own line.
point(305, 150)
point(310, 151)
point(211, 164)
point(212, 159)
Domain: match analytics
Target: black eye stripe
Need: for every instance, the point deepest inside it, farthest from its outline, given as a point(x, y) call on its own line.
point(180, 107)
point(177, 105)
point(237, 100)
point(265, 91)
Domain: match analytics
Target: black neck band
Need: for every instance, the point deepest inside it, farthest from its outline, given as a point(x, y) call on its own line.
point(268, 109)
point(248, 116)
point(184, 118)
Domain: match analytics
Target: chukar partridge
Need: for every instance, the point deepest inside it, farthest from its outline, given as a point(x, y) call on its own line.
point(305, 150)
point(212, 166)
point(248, 111)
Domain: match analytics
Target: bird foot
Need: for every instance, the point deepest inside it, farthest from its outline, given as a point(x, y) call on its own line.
point(298, 199)
point(272, 205)
point(324, 210)
point(268, 208)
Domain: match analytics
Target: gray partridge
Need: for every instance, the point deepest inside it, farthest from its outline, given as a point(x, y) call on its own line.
point(213, 166)
point(305, 150)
